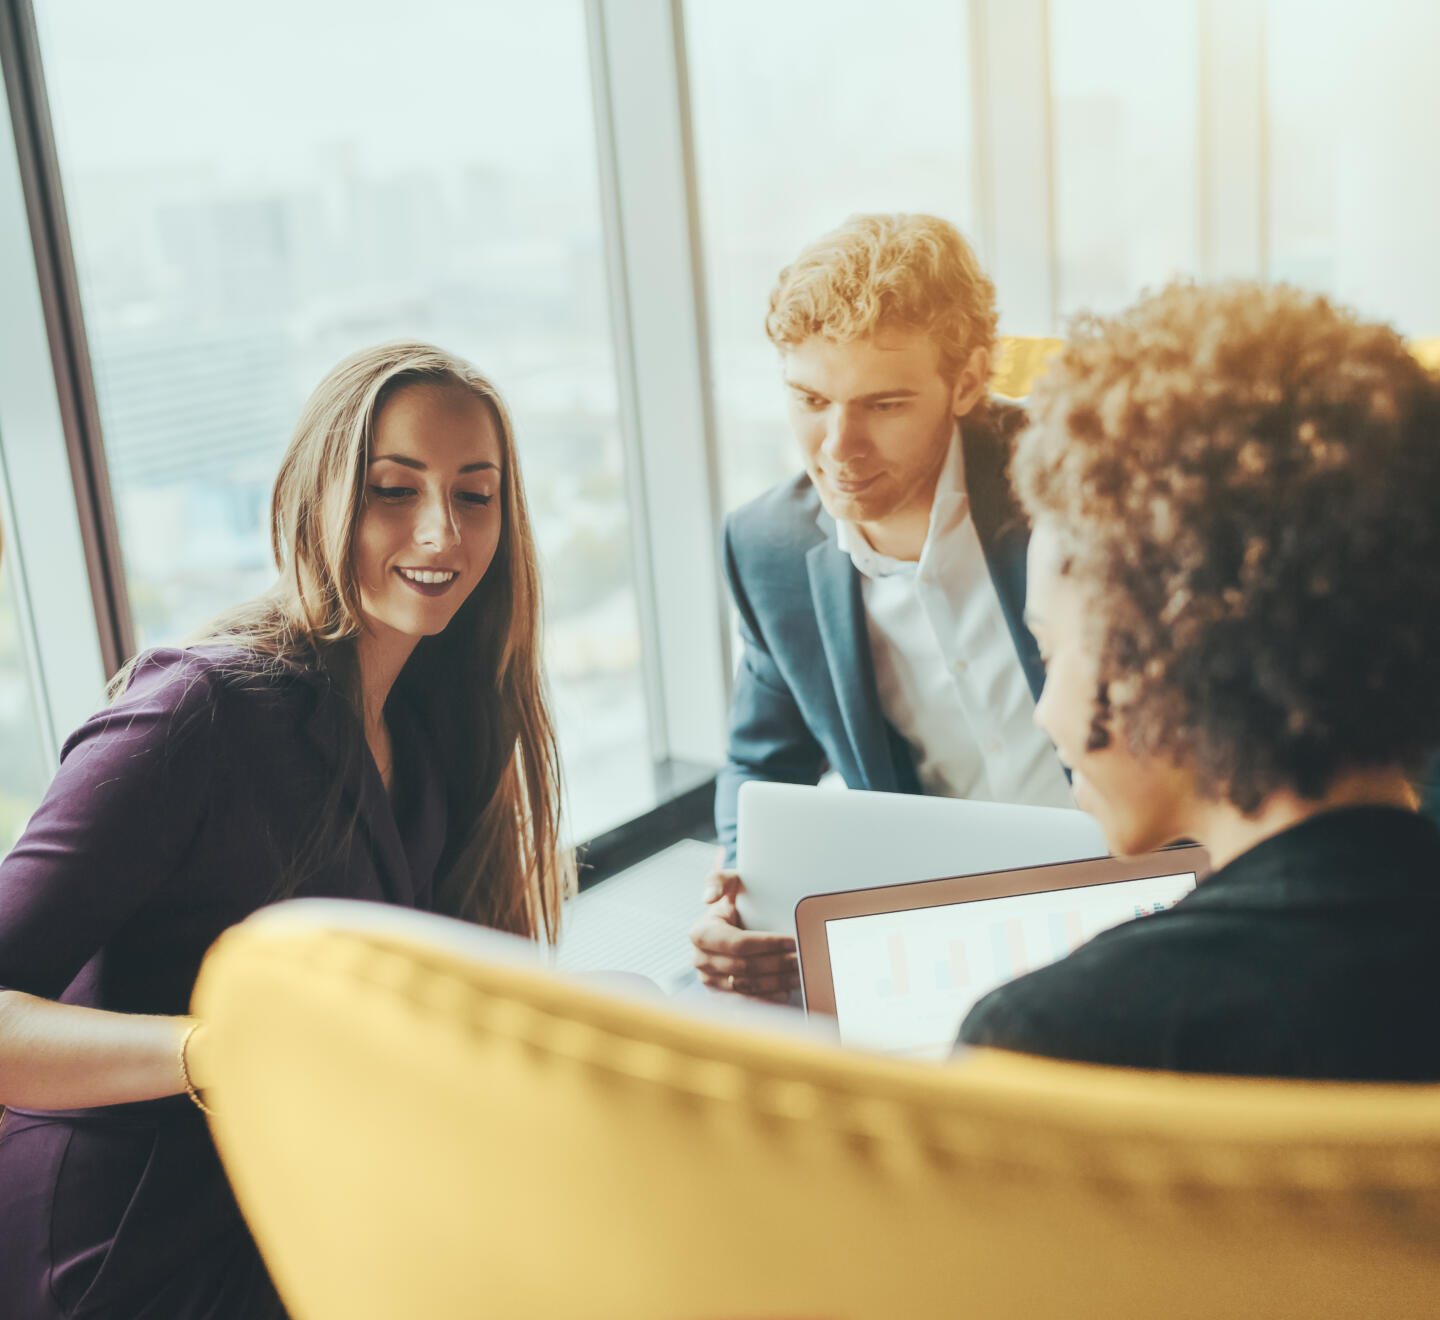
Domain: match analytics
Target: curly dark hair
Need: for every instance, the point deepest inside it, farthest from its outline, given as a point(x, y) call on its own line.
point(1247, 479)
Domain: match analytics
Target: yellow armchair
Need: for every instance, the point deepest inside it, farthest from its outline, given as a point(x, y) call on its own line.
point(418, 1122)
point(1427, 352)
point(1019, 360)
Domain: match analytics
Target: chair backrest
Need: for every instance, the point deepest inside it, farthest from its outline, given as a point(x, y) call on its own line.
point(1020, 359)
point(1427, 352)
point(417, 1122)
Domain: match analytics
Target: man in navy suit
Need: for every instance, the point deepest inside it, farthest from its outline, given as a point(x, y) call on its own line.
point(881, 593)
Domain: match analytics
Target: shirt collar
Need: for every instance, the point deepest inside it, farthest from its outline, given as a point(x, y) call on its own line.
point(949, 493)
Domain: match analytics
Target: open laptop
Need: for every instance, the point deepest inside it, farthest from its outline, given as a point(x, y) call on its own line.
point(899, 966)
point(794, 840)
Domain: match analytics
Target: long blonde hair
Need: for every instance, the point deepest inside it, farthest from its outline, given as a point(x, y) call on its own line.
point(478, 683)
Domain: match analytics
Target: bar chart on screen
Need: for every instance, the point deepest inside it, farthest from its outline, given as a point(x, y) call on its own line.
point(905, 980)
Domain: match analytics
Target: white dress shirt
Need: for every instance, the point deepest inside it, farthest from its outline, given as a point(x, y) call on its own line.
point(949, 678)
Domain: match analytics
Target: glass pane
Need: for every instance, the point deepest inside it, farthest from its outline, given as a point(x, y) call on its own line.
point(831, 113)
point(1124, 106)
point(1354, 181)
point(23, 769)
point(253, 200)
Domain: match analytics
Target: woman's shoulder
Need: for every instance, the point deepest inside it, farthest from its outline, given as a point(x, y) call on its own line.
point(187, 690)
point(180, 677)
point(172, 674)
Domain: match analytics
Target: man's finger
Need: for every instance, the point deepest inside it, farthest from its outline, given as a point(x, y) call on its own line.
point(716, 965)
point(768, 989)
point(722, 938)
point(765, 964)
point(760, 987)
point(721, 884)
point(722, 913)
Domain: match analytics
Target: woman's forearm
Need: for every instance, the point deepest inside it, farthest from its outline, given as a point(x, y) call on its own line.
point(63, 1056)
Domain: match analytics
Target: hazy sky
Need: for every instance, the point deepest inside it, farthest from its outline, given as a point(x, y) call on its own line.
point(256, 88)
point(806, 110)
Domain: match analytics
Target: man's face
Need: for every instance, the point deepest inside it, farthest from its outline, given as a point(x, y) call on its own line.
point(874, 419)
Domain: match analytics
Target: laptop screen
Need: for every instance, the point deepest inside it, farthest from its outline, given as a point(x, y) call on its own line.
point(905, 980)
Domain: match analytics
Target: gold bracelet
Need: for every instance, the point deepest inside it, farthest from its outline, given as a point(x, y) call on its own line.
point(185, 1071)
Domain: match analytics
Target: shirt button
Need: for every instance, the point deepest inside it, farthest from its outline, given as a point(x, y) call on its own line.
point(959, 666)
point(996, 746)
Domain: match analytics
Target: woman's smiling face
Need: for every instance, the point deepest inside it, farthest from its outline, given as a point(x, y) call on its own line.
point(432, 516)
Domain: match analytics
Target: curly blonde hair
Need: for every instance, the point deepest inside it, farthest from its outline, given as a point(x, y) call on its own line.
point(887, 272)
point(1247, 480)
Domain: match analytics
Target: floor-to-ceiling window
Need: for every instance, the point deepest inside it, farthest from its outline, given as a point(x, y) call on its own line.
point(256, 193)
point(1124, 109)
point(806, 113)
point(1353, 184)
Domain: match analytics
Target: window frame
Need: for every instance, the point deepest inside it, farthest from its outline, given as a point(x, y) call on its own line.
point(654, 259)
point(48, 427)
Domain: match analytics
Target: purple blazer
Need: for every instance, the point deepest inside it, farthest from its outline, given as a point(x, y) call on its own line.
point(175, 814)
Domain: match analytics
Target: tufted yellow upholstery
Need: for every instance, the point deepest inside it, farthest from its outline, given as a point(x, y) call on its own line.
point(1428, 352)
point(1020, 359)
point(418, 1123)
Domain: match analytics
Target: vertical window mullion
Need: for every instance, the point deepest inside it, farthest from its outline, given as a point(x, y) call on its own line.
point(45, 549)
point(1012, 56)
point(1232, 131)
point(655, 268)
point(54, 277)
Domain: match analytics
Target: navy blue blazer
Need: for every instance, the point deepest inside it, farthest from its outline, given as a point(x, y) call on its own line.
point(805, 694)
point(174, 815)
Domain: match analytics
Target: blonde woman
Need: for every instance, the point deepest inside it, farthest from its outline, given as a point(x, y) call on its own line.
point(373, 727)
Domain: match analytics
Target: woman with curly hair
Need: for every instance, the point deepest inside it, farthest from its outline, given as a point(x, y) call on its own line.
point(373, 727)
point(1235, 579)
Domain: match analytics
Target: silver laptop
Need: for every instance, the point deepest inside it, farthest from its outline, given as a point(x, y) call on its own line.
point(899, 966)
point(795, 840)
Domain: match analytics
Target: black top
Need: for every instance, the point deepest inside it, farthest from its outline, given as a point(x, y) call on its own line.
point(1314, 954)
